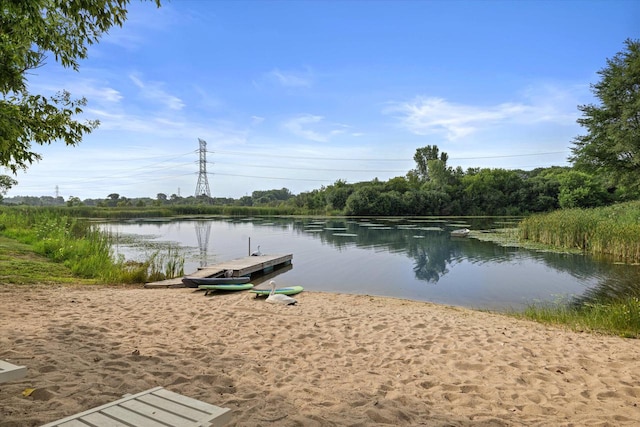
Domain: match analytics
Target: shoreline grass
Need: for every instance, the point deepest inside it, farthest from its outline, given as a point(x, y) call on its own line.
point(20, 265)
point(612, 231)
point(620, 317)
point(82, 248)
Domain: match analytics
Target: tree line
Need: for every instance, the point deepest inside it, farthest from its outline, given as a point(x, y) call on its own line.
point(431, 188)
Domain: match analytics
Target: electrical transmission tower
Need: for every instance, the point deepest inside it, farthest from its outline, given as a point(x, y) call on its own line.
point(202, 188)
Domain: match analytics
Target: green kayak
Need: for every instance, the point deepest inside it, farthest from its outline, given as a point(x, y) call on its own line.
point(236, 287)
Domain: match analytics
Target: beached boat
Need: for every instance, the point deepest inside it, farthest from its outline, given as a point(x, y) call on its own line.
point(463, 232)
point(194, 282)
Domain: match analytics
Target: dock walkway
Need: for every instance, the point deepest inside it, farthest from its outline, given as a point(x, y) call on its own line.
point(239, 267)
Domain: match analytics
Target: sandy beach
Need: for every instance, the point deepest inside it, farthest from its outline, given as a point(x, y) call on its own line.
point(331, 360)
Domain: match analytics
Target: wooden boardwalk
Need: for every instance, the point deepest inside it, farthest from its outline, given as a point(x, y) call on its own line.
point(239, 267)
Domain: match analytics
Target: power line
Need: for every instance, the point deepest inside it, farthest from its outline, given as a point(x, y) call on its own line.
point(370, 159)
point(284, 156)
point(506, 156)
point(307, 168)
point(171, 157)
point(271, 177)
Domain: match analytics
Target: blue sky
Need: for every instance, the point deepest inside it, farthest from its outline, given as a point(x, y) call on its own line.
point(299, 94)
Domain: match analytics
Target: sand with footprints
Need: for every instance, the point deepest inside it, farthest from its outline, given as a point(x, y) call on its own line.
point(332, 359)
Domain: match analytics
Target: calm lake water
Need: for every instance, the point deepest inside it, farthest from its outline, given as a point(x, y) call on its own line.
point(395, 257)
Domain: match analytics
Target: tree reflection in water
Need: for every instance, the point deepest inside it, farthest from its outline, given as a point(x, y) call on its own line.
point(432, 255)
point(398, 256)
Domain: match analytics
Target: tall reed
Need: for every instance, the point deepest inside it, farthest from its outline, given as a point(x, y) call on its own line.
point(613, 231)
point(165, 265)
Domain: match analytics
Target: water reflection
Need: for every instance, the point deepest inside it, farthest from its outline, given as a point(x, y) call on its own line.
point(432, 256)
point(617, 282)
point(429, 242)
point(203, 231)
point(406, 258)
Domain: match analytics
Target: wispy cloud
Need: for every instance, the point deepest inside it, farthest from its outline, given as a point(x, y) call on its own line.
point(256, 120)
point(207, 99)
point(313, 128)
point(123, 122)
point(92, 89)
point(154, 91)
point(148, 127)
point(97, 93)
point(290, 78)
point(432, 115)
point(114, 105)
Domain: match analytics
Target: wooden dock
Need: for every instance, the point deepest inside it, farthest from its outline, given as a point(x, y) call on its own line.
point(239, 267)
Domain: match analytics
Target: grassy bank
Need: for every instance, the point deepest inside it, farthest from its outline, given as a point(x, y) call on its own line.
point(612, 231)
point(81, 248)
point(19, 264)
point(620, 317)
